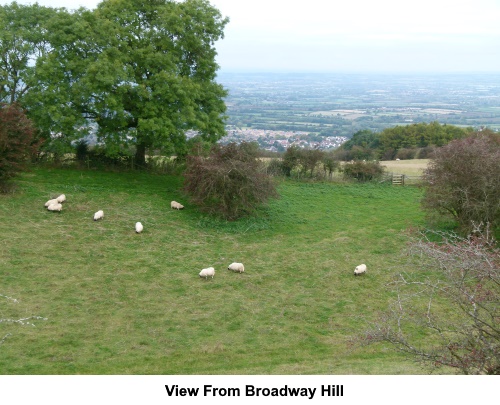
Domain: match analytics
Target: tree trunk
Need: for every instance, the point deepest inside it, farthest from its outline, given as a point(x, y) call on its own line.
point(140, 155)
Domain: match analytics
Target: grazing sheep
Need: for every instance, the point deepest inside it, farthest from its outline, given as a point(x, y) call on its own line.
point(98, 215)
point(50, 202)
point(138, 227)
point(360, 269)
point(210, 271)
point(61, 198)
point(176, 205)
point(55, 207)
point(236, 267)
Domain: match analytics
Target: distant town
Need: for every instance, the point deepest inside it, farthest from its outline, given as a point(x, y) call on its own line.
point(324, 110)
point(279, 141)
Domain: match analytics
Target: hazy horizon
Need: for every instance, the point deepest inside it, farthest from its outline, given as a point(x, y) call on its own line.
point(362, 72)
point(359, 36)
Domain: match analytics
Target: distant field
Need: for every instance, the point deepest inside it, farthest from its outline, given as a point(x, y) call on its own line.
point(413, 167)
point(116, 302)
point(347, 114)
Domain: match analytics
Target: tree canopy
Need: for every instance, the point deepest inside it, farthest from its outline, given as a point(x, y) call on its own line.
point(140, 73)
point(23, 39)
point(385, 145)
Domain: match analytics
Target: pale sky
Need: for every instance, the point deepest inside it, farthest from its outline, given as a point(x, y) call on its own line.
point(353, 35)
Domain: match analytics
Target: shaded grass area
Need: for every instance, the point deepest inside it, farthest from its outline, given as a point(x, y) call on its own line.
point(121, 303)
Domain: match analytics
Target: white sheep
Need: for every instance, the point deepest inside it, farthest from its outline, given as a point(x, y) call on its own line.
point(98, 215)
point(138, 227)
point(55, 207)
point(360, 269)
point(209, 271)
point(61, 198)
point(176, 205)
point(50, 202)
point(236, 267)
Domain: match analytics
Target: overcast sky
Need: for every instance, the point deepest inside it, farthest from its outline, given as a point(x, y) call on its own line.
point(353, 35)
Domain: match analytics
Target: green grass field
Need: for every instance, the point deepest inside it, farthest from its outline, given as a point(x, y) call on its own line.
point(117, 302)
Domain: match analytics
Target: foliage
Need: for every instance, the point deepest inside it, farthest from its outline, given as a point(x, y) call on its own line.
point(406, 153)
point(363, 139)
point(454, 298)
point(401, 141)
point(463, 180)
point(426, 152)
point(23, 39)
point(330, 163)
point(306, 161)
point(275, 167)
point(17, 143)
point(291, 159)
point(361, 146)
point(81, 150)
point(230, 182)
point(102, 157)
point(143, 72)
point(420, 135)
point(363, 171)
point(309, 159)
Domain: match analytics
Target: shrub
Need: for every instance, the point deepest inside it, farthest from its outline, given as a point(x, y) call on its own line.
point(363, 171)
point(406, 153)
point(291, 159)
point(231, 182)
point(330, 164)
point(105, 158)
point(463, 181)
point(309, 159)
point(388, 154)
point(17, 143)
point(453, 298)
point(275, 167)
point(81, 150)
point(425, 152)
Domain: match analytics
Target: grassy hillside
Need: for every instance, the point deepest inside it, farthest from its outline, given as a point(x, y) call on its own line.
point(117, 302)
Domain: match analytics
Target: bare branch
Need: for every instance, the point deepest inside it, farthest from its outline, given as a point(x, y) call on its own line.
point(452, 298)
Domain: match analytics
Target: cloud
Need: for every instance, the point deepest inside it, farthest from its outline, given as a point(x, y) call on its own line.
point(386, 34)
point(353, 34)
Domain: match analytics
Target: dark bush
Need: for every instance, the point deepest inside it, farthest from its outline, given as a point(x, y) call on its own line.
point(17, 143)
point(363, 171)
point(309, 159)
point(275, 167)
point(231, 182)
point(388, 154)
point(103, 158)
point(291, 159)
point(406, 153)
point(81, 150)
point(330, 164)
point(426, 152)
point(463, 181)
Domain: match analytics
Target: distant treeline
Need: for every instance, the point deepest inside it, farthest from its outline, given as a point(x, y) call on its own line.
point(414, 141)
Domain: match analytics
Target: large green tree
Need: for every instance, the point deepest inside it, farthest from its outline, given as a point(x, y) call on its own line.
point(143, 71)
point(23, 39)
